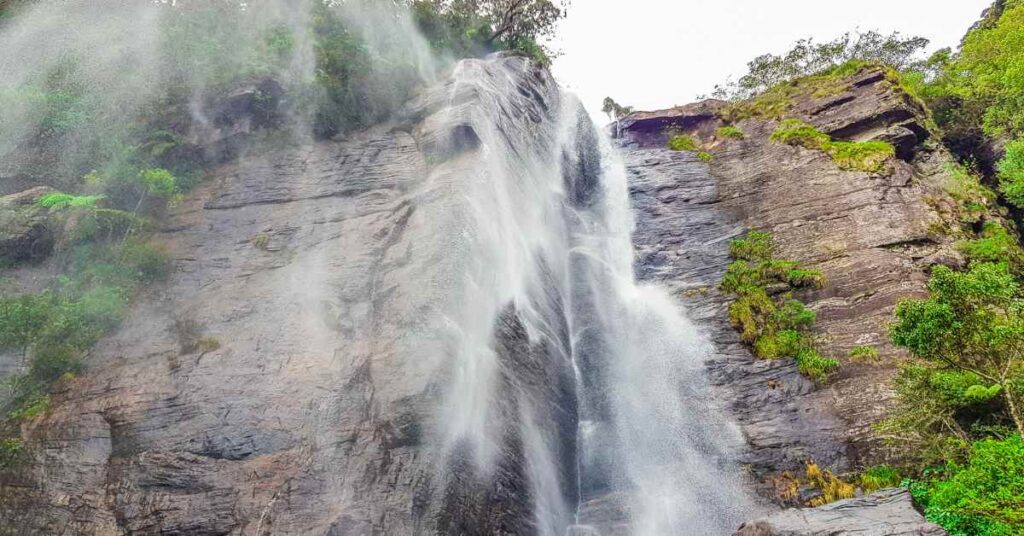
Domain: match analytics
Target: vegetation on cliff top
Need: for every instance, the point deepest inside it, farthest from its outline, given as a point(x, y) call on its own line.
point(869, 156)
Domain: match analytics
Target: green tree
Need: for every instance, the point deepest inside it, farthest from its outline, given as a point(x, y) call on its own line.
point(972, 323)
point(614, 110)
point(808, 57)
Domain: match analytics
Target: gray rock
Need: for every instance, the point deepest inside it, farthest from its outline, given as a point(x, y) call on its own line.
point(888, 512)
point(870, 234)
point(25, 230)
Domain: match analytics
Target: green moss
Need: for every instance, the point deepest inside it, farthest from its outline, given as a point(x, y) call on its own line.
point(12, 451)
point(705, 156)
point(869, 156)
point(729, 132)
point(682, 142)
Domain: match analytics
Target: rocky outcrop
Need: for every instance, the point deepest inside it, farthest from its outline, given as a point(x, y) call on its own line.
point(26, 233)
point(888, 512)
point(874, 235)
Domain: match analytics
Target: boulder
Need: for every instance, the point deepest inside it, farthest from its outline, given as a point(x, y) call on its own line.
point(25, 234)
point(888, 512)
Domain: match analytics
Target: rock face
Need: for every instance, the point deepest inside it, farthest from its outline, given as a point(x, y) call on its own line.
point(886, 512)
point(872, 234)
point(426, 328)
point(287, 378)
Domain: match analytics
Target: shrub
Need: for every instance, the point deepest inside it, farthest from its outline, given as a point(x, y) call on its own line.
point(981, 497)
point(814, 365)
point(878, 477)
point(995, 245)
point(59, 200)
point(756, 246)
point(705, 156)
point(729, 132)
point(864, 353)
point(1011, 173)
point(682, 142)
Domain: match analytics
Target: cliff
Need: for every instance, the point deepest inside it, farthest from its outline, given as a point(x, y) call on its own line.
point(874, 235)
point(423, 328)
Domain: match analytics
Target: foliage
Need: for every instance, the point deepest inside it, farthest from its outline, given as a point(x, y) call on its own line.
point(615, 110)
point(868, 156)
point(682, 142)
point(56, 326)
point(863, 353)
point(705, 156)
point(879, 477)
point(981, 496)
point(810, 58)
point(11, 452)
point(59, 200)
point(971, 323)
point(994, 245)
point(729, 132)
point(1011, 173)
point(775, 326)
point(832, 487)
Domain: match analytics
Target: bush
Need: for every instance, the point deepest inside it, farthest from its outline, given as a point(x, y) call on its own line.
point(878, 477)
point(1011, 173)
point(756, 246)
point(864, 353)
point(995, 245)
point(814, 365)
point(682, 142)
point(981, 497)
point(729, 132)
point(705, 156)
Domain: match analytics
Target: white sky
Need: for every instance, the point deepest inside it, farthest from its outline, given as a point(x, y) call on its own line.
point(654, 54)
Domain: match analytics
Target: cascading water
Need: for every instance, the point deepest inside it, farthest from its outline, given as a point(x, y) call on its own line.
point(568, 372)
point(446, 337)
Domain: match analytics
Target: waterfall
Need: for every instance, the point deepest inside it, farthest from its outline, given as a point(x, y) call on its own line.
point(567, 374)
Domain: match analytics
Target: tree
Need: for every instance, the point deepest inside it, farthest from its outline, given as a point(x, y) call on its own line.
point(614, 110)
point(512, 20)
point(972, 323)
point(808, 57)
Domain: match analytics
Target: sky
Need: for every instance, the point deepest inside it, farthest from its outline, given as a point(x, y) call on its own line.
point(654, 54)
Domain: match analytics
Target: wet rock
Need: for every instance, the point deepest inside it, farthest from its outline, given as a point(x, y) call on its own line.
point(887, 512)
point(25, 231)
point(870, 234)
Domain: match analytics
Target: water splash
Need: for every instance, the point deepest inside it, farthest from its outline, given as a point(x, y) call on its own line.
point(623, 437)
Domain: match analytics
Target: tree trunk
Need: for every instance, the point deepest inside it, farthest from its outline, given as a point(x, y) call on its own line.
point(1014, 413)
